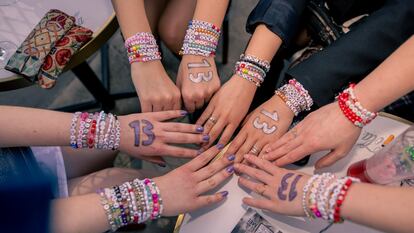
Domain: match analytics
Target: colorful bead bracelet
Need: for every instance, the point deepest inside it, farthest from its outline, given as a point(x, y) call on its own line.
point(252, 69)
point(142, 47)
point(201, 39)
point(295, 96)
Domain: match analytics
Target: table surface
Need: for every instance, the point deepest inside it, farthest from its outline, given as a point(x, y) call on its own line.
point(17, 20)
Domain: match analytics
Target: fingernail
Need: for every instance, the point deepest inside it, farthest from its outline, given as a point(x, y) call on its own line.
point(230, 169)
point(200, 129)
point(183, 113)
point(206, 137)
point(231, 157)
point(162, 165)
point(224, 193)
point(219, 146)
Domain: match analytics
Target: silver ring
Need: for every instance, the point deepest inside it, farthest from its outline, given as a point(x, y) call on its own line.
point(213, 120)
point(294, 132)
point(254, 150)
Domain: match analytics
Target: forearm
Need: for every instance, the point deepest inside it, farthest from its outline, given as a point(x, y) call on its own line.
point(264, 43)
point(33, 127)
point(78, 214)
point(131, 16)
point(391, 80)
point(212, 11)
point(389, 209)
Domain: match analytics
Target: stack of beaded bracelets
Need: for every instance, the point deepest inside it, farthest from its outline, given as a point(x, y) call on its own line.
point(131, 202)
point(95, 130)
point(142, 47)
point(295, 96)
point(353, 109)
point(252, 68)
point(200, 39)
point(323, 196)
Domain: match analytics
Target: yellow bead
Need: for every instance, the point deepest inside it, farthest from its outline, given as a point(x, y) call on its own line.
point(245, 71)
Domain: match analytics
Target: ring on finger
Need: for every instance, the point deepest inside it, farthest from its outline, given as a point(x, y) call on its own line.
point(294, 133)
point(254, 150)
point(261, 189)
point(212, 120)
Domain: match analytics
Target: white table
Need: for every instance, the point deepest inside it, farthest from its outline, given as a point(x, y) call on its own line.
point(223, 217)
point(17, 20)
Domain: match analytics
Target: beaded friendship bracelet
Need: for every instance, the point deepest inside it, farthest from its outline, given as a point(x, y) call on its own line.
point(252, 69)
point(91, 131)
point(201, 39)
point(142, 47)
point(132, 202)
point(295, 96)
point(323, 196)
point(352, 108)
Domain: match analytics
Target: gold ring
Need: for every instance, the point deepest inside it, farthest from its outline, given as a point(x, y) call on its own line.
point(254, 150)
point(213, 120)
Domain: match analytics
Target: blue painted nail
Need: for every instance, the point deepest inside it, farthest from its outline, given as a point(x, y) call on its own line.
point(206, 137)
point(230, 169)
point(220, 146)
point(231, 157)
point(183, 113)
point(200, 129)
point(224, 193)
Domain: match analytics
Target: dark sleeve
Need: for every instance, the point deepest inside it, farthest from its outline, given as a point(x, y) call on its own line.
point(280, 16)
point(356, 54)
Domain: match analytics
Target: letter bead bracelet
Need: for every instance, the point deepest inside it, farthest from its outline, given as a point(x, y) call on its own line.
point(142, 47)
point(252, 69)
point(295, 96)
point(95, 130)
point(201, 39)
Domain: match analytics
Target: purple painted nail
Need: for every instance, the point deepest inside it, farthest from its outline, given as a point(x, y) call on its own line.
point(219, 146)
point(206, 137)
point(200, 129)
point(183, 112)
point(230, 169)
point(231, 157)
point(224, 193)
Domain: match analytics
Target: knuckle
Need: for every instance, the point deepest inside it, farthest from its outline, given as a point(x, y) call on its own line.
point(210, 170)
point(211, 183)
point(209, 200)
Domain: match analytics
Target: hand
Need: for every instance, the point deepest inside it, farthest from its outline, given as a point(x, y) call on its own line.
point(198, 80)
point(264, 125)
point(282, 189)
point(324, 129)
point(146, 136)
point(181, 190)
point(155, 89)
point(227, 109)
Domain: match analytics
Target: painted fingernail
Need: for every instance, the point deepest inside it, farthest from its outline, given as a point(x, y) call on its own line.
point(206, 137)
point(183, 112)
point(230, 169)
point(219, 146)
point(231, 157)
point(200, 129)
point(224, 193)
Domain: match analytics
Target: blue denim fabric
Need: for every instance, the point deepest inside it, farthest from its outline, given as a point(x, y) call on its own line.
point(282, 17)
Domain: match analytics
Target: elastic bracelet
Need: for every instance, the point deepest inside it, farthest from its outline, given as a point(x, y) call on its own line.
point(201, 39)
point(73, 125)
point(81, 129)
point(295, 96)
point(322, 200)
point(252, 70)
point(341, 198)
point(305, 194)
point(263, 64)
point(142, 47)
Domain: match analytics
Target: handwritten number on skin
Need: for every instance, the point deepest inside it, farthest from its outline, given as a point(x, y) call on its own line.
point(147, 128)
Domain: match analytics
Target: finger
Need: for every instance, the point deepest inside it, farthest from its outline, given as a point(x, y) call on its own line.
point(184, 138)
point(154, 159)
point(182, 127)
point(285, 149)
point(157, 107)
point(287, 137)
point(253, 172)
point(226, 136)
point(180, 152)
point(263, 151)
point(203, 159)
point(146, 106)
point(206, 114)
point(293, 156)
point(261, 163)
point(189, 104)
point(263, 204)
point(330, 158)
point(215, 180)
point(236, 144)
point(256, 187)
point(215, 131)
point(199, 103)
point(177, 104)
point(244, 149)
point(214, 167)
point(210, 199)
point(168, 115)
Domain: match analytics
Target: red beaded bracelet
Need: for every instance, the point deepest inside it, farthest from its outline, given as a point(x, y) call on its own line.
point(340, 200)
